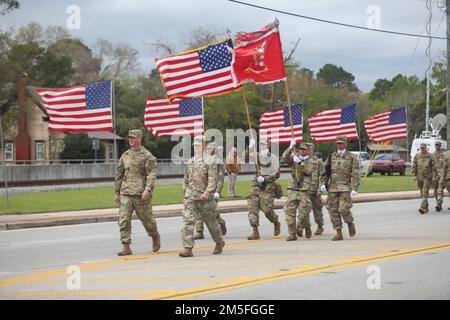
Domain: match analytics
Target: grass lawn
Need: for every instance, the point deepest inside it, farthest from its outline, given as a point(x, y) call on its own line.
point(99, 198)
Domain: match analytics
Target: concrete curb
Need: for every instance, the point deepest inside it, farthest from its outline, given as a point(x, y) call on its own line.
point(72, 220)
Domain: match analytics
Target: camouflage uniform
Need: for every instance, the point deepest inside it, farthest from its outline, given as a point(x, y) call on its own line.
point(136, 173)
point(299, 196)
point(342, 170)
point(423, 169)
point(446, 171)
point(263, 199)
point(200, 177)
point(316, 197)
point(199, 225)
point(438, 182)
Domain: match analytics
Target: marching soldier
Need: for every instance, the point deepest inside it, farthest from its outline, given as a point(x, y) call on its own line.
point(316, 197)
point(342, 177)
point(304, 170)
point(446, 172)
point(199, 225)
point(438, 182)
point(134, 183)
point(263, 188)
point(423, 171)
point(199, 186)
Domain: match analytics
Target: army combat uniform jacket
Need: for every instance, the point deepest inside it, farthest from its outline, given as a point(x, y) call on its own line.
point(308, 173)
point(200, 177)
point(136, 172)
point(423, 167)
point(343, 174)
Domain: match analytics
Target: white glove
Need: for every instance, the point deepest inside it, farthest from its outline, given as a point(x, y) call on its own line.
point(217, 196)
point(297, 159)
point(260, 179)
point(323, 188)
point(353, 193)
point(252, 143)
point(293, 143)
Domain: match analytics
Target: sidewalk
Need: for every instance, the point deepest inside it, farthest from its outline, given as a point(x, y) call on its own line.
point(21, 221)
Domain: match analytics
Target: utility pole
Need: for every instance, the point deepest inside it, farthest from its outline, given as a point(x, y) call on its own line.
point(447, 11)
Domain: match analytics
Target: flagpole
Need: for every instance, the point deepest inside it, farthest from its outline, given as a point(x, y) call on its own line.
point(113, 99)
point(249, 121)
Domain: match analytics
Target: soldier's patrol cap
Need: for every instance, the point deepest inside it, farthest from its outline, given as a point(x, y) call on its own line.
point(304, 145)
point(212, 145)
point(135, 133)
point(438, 143)
point(199, 140)
point(423, 145)
point(309, 144)
point(341, 139)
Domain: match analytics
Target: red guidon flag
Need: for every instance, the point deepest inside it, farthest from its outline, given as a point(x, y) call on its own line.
point(259, 56)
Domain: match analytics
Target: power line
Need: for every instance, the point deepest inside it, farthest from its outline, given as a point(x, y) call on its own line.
point(336, 23)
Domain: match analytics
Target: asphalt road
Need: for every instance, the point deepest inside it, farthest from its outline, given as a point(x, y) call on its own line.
point(396, 254)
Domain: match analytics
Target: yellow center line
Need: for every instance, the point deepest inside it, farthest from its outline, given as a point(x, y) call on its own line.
point(83, 293)
point(204, 290)
point(95, 265)
point(126, 280)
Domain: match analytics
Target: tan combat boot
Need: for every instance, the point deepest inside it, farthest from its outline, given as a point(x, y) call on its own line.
point(308, 232)
point(219, 248)
point(438, 208)
point(319, 230)
point(156, 243)
point(338, 235)
point(187, 252)
point(276, 228)
point(223, 228)
point(423, 210)
point(254, 235)
point(300, 232)
point(351, 229)
point(292, 233)
point(199, 236)
point(126, 250)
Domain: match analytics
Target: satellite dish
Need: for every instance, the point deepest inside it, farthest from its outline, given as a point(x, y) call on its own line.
point(439, 121)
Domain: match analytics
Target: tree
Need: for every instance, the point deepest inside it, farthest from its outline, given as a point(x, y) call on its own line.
point(200, 37)
point(380, 89)
point(8, 5)
point(116, 61)
point(79, 146)
point(86, 67)
point(335, 76)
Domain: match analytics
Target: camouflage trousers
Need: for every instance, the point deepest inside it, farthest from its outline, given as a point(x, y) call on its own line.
point(301, 201)
point(143, 209)
point(317, 206)
point(424, 188)
point(339, 205)
point(204, 209)
point(439, 192)
point(264, 201)
point(232, 184)
point(199, 223)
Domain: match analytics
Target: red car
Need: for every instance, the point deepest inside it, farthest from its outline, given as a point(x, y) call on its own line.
point(388, 163)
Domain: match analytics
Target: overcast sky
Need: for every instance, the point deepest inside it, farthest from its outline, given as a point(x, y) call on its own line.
point(367, 55)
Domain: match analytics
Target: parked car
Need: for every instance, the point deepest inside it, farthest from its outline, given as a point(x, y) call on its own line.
point(388, 163)
point(363, 160)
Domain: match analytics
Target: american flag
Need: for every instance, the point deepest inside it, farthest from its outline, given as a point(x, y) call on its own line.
point(387, 126)
point(82, 108)
point(201, 72)
point(276, 125)
point(176, 118)
point(327, 125)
